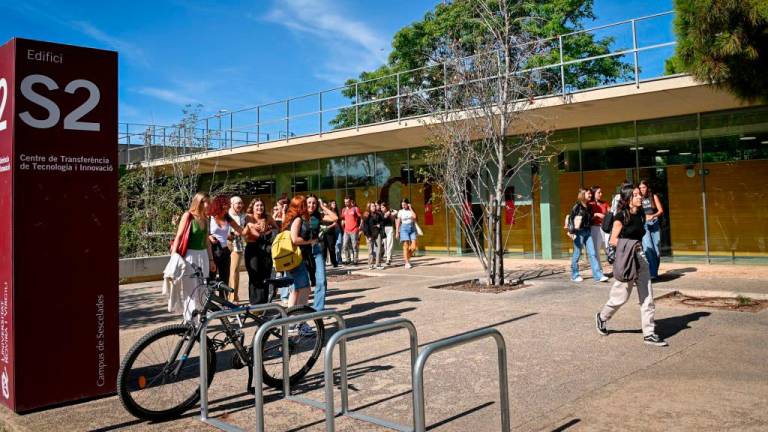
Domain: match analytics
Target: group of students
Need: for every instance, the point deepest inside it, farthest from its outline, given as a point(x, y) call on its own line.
point(585, 227)
point(215, 234)
point(631, 239)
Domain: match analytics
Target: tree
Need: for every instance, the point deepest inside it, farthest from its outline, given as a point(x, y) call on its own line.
point(473, 159)
point(151, 199)
point(418, 46)
point(725, 43)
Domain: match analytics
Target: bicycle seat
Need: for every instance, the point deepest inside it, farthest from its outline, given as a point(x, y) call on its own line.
point(279, 282)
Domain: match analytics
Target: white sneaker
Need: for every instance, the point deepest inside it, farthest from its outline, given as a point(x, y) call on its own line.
point(578, 279)
point(380, 267)
point(408, 265)
point(604, 279)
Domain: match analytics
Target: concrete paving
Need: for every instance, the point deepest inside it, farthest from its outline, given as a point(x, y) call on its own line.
point(562, 374)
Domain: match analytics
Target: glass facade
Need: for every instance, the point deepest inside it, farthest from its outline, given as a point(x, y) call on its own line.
point(708, 169)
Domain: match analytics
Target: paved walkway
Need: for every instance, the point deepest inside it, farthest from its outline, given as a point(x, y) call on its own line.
point(562, 374)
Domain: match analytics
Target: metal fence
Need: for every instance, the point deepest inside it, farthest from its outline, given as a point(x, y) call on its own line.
point(639, 46)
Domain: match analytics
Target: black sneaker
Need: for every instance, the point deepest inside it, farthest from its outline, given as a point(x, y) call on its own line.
point(600, 325)
point(655, 340)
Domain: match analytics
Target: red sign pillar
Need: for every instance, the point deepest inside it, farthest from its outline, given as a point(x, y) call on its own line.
point(59, 224)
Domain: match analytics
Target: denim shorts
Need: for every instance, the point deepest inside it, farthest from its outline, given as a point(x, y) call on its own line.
point(300, 277)
point(407, 232)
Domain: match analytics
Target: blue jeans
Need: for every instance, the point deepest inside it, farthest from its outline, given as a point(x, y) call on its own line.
point(320, 282)
point(584, 239)
point(300, 277)
point(339, 239)
point(652, 246)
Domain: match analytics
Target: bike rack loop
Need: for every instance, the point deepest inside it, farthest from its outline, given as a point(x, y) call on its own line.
point(204, 356)
point(258, 360)
point(342, 336)
point(419, 420)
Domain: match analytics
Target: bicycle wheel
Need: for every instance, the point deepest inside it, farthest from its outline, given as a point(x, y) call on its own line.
point(304, 349)
point(149, 384)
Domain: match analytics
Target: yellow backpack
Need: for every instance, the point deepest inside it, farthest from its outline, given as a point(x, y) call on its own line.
point(285, 255)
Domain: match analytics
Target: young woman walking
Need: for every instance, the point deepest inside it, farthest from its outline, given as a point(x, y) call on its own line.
point(626, 235)
point(259, 232)
point(372, 220)
point(338, 233)
point(579, 231)
point(599, 209)
point(405, 230)
point(652, 238)
point(180, 281)
point(388, 222)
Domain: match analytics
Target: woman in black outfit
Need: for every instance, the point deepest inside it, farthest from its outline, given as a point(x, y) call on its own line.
point(627, 236)
point(372, 220)
point(259, 232)
point(329, 236)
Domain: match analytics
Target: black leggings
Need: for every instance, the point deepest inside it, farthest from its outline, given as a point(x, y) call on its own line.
point(222, 259)
point(329, 246)
point(258, 263)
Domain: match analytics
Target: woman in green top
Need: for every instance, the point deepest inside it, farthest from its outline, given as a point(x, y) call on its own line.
point(198, 252)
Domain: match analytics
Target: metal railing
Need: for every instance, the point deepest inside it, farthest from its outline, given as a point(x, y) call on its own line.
point(419, 419)
point(346, 107)
point(343, 335)
point(204, 355)
point(258, 359)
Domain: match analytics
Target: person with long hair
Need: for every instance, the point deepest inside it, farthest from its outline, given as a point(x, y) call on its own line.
point(626, 235)
point(579, 231)
point(372, 220)
point(388, 222)
point(405, 230)
point(339, 233)
point(198, 253)
point(236, 245)
point(599, 209)
point(319, 215)
point(259, 232)
point(330, 236)
point(221, 224)
point(297, 221)
point(652, 239)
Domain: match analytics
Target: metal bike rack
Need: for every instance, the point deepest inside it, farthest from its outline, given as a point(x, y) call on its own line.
point(204, 357)
point(419, 420)
point(258, 360)
point(342, 336)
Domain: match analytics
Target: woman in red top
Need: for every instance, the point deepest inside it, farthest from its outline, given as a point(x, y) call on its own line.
point(599, 209)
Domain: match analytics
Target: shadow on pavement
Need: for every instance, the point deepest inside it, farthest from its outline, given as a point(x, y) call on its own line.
point(142, 309)
point(674, 274)
point(459, 415)
point(567, 425)
point(668, 327)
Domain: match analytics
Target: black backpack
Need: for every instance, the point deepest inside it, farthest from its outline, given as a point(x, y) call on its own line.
point(607, 222)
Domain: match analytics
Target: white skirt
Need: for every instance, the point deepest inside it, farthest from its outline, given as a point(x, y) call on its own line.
point(193, 292)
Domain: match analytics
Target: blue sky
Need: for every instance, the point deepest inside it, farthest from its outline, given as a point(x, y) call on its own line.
point(235, 54)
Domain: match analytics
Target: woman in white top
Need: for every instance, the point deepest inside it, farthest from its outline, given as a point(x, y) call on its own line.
point(405, 230)
point(220, 226)
point(236, 245)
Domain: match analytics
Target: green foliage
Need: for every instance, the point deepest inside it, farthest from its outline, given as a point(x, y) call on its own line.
point(744, 301)
point(147, 209)
point(422, 43)
point(150, 200)
point(724, 42)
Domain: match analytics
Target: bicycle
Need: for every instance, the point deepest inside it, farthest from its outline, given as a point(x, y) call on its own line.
point(168, 384)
